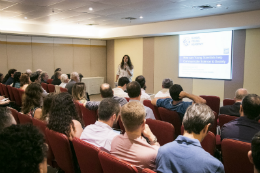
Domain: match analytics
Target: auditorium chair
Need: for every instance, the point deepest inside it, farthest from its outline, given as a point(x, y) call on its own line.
point(228, 102)
point(45, 87)
point(24, 119)
point(121, 125)
point(223, 119)
point(21, 93)
point(18, 100)
point(164, 131)
point(154, 108)
point(41, 125)
point(2, 90)
point(63, 90)
point(51, 88)
point(87, 155)
point(10, 91)
point(146, 170)
point(171, 117)
point(88, 116)
point(77, 105)
point(49, 81)
point(5, 91)
point(61, 149)
point(213, 102)
point(127, 99)
point(235, 158)
point(112, 164)
point(15, 114)
point(213, 127)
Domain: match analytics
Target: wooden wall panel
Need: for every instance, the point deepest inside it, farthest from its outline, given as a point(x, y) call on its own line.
point(98, 62)
point(3, 55)
point(148, 64)
point(110, 63)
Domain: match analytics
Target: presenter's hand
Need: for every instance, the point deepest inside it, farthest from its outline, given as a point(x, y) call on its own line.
point(183, 94)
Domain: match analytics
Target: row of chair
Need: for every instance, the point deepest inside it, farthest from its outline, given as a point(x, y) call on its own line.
point(50, 88)
point(14, 94)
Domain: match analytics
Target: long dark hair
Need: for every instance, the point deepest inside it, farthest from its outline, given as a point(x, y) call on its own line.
point(11, 71)
point(46, 108)
point(16, 78)
point(129, 63)
point(62, 112)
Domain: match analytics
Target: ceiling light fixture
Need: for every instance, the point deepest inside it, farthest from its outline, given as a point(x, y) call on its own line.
point(219, 5)
point(25, 17)
point(141, 17)
point(90, 8)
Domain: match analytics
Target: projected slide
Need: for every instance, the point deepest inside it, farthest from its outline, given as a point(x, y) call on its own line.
point(206, 55)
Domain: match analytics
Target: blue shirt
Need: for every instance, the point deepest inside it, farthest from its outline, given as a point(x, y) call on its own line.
point(167, 103)
point(185, 155)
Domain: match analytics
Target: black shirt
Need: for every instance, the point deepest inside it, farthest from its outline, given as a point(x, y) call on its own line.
point(232, 110)
point(56, 82)
point(9, 81)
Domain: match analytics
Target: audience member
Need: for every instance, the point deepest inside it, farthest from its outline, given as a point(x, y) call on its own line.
point(16, 83)
point(233, 110)
point(185, 154)
point(141, 80)
point(64, 80)
point(101, 133)
point(9, 77)
point(39, 71)
point(47, 107)
point(175, 103)
point(24, 81)
point(1, 77)
point(106, 92)
point(6, 118)
point(63, 117)
point(74, 79)
point(44, 77)
point(119, 91)
point(36, 78)
point(254, 153)
point(56, 80)
point(246, 126)
point(4, 103)
point(31, 101)
point(57, 69)
point(134, 92)
point(80, 77)
point(132, 146)
point(79, 93)
point(28, 71)
point(22, 149)
point(166, 84)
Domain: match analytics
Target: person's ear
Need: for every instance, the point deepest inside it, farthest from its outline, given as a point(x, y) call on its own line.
point(241, 111)
point(205, 129)
point(249, 154)
point(114, 117)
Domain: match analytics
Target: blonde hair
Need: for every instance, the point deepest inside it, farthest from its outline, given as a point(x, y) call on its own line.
point(63, 77)
point(79, 91)
point(133, 115)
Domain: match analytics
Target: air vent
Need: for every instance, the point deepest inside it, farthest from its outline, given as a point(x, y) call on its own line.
point(203, 7)
point(129, 18)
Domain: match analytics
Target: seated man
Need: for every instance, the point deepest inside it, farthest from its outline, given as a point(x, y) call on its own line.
point(246, 126)
point(254, 153)
point(166, 84)
point(64, 80)
point(141, 80)
point(185, 154)
point(134, 92)
point(101, 133)
point(36, 77)
point(132, 146)
point(175, 103)
point(74, 76)
point(233, 110)
point(44, 77)
point(22, 149)
point(119, 91)
point(6, 118)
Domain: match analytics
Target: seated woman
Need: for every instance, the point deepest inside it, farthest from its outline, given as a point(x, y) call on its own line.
point(1, 77)
point(24, 81)
point(56, 80)
point(63, 117)
point(47, 107)
point(32, 99)
point(79, 93)
point(64, 80)
point(16, 83)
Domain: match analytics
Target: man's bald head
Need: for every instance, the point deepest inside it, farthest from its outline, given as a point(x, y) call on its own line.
point(240, 94)
point(106, 91)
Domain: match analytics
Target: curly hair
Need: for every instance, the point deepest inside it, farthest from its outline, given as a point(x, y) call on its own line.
point(129, 63)
point(32, 97)
point(47, 106)
point(62, 112)
point(22, 149)
point(79, 91)
point(24, 79)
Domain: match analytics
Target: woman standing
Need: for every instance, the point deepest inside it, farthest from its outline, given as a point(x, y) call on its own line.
point(125, 69)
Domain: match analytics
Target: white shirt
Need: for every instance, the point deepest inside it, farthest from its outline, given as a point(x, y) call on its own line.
point(124, 73)
point(149, 111)
point(144, 96)
point(63, 85)
point(163, 93)
point(119, 92)
point(99, 134)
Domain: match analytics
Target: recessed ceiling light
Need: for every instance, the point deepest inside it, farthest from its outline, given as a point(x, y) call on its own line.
point(141, 17)
point(90, 8)
point(25, 17)
point(219, 5)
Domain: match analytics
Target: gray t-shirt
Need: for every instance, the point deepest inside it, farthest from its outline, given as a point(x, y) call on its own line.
point(93, 105)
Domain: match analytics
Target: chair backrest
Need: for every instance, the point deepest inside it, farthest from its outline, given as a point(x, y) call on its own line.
point(87, 155)
point(213, 127)
point(77, 105)
point(18, 100)
point(235, 159)
point(228, 102)
point(10, 91)
point(223, 119)
point(213, 102)
point(5, 91)
point(62, 150)
point(40, 125)
point(15, 115)
point(209, 143)
point(49, 81)
point(1, 90)
point(88, 116)
point(24, 119)
point(63, 90)
point(164, 131)
point(127, 99)
point(111, 164)
point(21, 93)
point(146, 170)
point(171, 117)
point(154, 108)
point(51, 88)
point(45, 86)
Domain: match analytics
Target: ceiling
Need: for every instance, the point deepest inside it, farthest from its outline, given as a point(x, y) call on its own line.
point(109, 13)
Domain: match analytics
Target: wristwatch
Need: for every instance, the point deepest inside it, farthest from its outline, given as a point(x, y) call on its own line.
point(154, 141)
